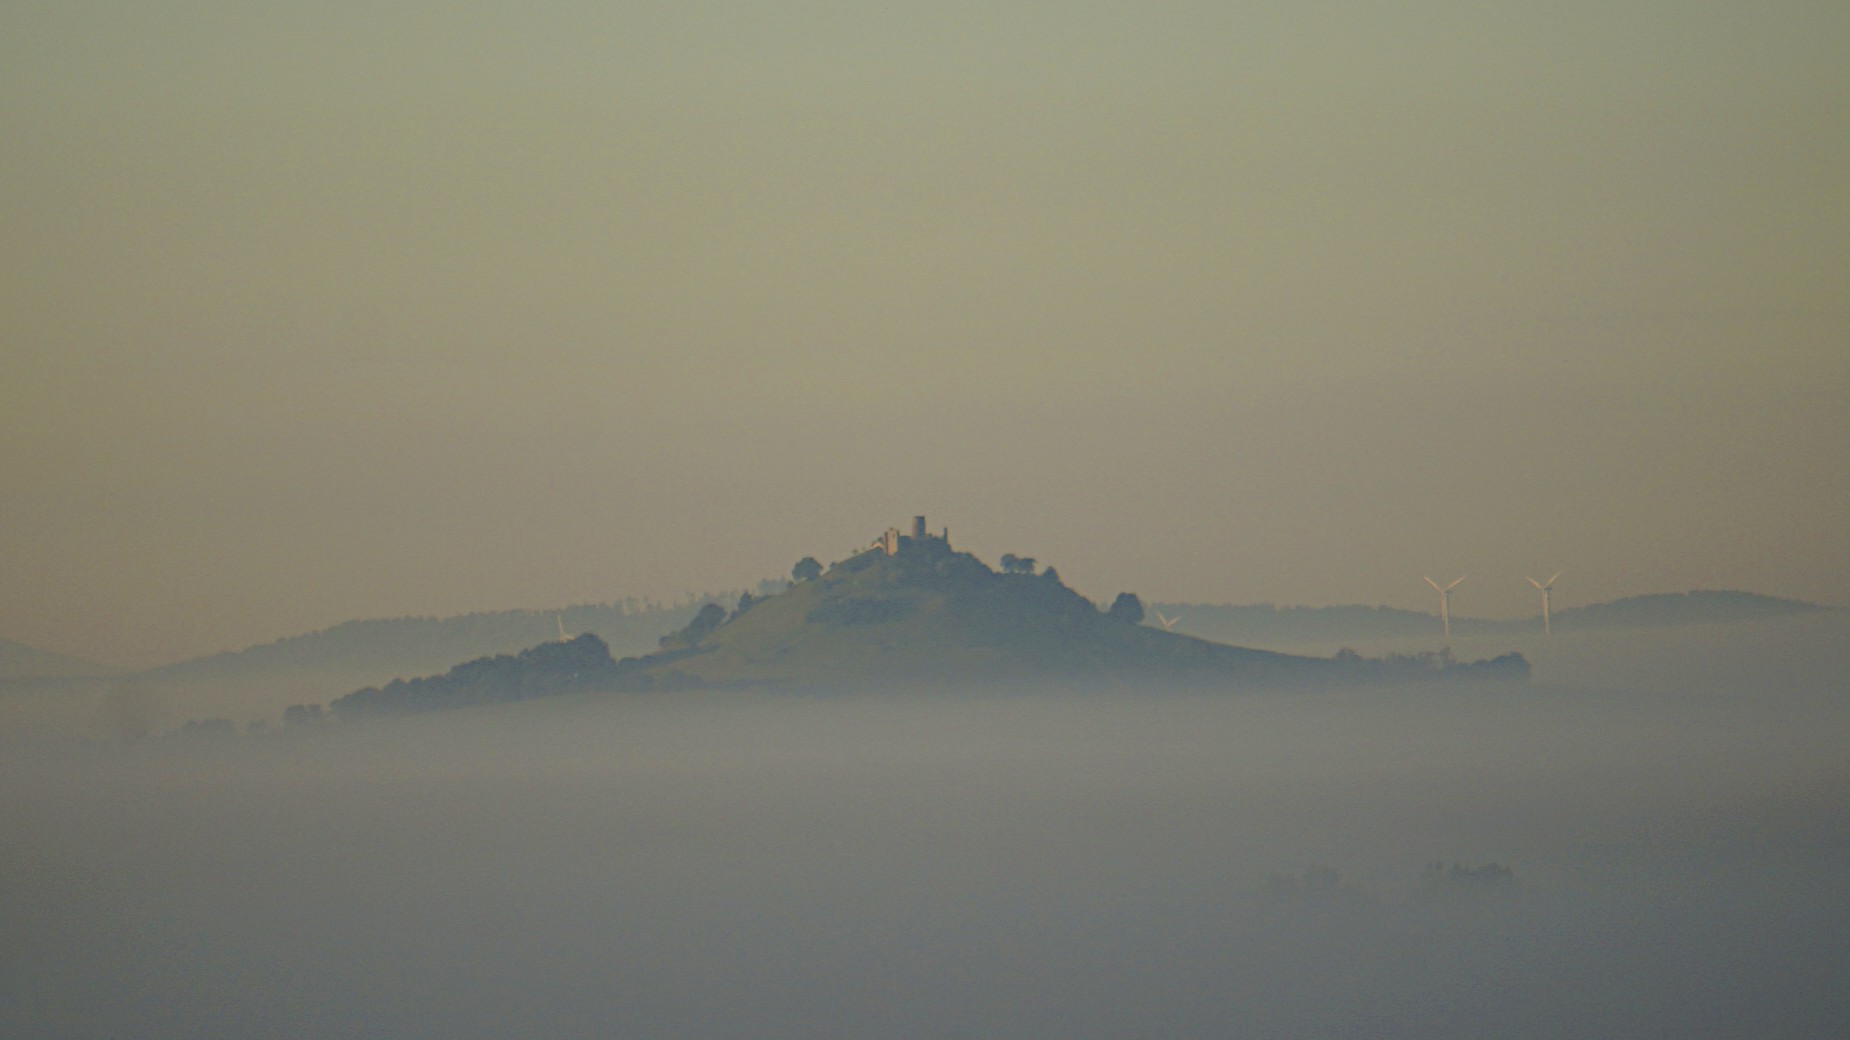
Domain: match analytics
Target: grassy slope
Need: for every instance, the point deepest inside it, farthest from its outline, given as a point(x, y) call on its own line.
point(933, 614)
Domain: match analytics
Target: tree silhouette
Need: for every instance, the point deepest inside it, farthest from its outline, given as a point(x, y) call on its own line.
point(302, 715)
point(807, 569)
point(711, 616)
point(1127, 608)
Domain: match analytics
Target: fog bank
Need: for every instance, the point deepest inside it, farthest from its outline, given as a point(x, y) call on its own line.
point(993, 864)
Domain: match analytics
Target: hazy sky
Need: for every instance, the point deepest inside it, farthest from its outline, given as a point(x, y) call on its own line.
point(311, 312)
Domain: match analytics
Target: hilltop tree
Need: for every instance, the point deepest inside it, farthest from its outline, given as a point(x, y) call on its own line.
point(1013, 564)
point(807, 569)
point(297, 715)
point(1127, 608)
point(710, 617)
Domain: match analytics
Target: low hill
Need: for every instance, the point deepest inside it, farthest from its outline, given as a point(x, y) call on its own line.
point(1263, 624)
point(1703, 606)
point(929, 613)
point(924, 614)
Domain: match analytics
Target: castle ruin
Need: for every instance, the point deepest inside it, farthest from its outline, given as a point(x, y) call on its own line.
point(890, 541)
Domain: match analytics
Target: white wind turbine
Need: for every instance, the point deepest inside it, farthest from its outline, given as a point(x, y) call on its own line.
point(559, 616)
point(1545, 587)
point(1167, 622)
point(1445, 602)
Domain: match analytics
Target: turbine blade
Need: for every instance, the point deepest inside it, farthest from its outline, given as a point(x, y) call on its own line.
point(1454, 585)
point(1434, 584)
point(1551, 581)
point(1533, 582)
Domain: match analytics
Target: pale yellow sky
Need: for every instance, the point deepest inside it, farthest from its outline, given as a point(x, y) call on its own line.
point(379, 309)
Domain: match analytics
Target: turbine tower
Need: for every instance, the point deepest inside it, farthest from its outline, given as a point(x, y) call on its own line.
point(1445, 603)
point(559, 617)
point(1545, 587)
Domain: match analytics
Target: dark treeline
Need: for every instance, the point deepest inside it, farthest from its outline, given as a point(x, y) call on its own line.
point(547, 670)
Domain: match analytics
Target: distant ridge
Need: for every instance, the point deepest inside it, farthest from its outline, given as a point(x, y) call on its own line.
point(1263, 623)
point(420, 645)
point(22, 663)
point(1260, 624)
point(1702, 606)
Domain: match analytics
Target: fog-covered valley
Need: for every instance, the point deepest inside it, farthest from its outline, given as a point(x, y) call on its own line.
point(1640, 842)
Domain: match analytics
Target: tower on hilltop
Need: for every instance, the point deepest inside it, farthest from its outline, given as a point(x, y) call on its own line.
point(889, 541)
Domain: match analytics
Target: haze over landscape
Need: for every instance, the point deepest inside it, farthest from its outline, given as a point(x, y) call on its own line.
point(378, 310)
point(1652, 842)
point(385, 389)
